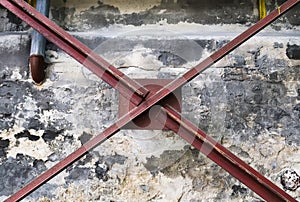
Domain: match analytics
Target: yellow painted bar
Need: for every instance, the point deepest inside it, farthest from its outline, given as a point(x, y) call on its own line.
point(32, 3)
point(262, 9)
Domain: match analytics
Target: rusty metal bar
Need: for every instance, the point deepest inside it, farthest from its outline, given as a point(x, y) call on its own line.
point(237, 41)
point(221, 156)
point(150, 101)
point(127, 87)
point(44, 177)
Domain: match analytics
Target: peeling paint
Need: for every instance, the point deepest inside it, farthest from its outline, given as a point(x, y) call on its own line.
point(248, 102)
point(38, 149)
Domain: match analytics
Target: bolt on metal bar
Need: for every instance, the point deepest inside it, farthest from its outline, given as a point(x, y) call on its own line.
point(114, 128)
point(221, 156)
point(127, 87)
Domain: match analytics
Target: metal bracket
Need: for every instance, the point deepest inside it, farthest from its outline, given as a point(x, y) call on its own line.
point(147, 121)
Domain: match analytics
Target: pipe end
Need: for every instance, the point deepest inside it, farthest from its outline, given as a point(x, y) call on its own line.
point(37, 69)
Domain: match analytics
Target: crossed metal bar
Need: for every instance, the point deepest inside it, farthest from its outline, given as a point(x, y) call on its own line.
point(138, 95)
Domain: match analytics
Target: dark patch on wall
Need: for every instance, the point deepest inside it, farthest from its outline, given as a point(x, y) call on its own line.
point(265, 62)
point(239, 191)
point(168, 59)
point(192, 164)
point(293, 52)
point(297, 108)
point(78, 173)
point(43, 105)
point(290, 180)
point(239, 61)
point(99, 170)
point(207, 44)
point(95, 17)
point(173, 163)
point(26, 134)
point(293, 15)
point(256, 100)
point(266, 101)
point(159, 164)
point(34, 122)
point(11, 94)
point(15, 20)
point(4, 144)
point(278, 45)
point(85, 137)
point(101, 16)
point(21, 166)
point(12, 108)
point(10, 22)
point(244, 101)
point(105, 163)
point(86, 159)
point(50, 135)
point(203, 12)
point(61, 16)
point(262, 108)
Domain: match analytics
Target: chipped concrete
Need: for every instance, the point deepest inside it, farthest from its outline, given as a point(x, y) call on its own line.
point(127, 7)
point(153, 159)
point(249, 102)
point(83, 16)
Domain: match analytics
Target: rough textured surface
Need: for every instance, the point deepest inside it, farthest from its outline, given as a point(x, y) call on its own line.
point(9, 22)
point(86, 15)
point(249, 102)
point(104, 13)
point(290, 180)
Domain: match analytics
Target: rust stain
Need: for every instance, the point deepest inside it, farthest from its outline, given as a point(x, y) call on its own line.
point(37, 66)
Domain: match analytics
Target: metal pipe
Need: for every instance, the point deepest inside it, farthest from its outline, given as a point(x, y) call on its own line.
point(103, 69)
point(262, 9)
point(38, 46)
point(221, 156)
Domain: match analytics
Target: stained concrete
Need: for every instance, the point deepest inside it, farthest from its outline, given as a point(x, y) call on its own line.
point(242, 102)
point(86, 15)
point(248, 101)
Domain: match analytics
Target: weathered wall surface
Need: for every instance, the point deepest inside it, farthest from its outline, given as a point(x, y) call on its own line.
point(78, 15)
point(249, 102)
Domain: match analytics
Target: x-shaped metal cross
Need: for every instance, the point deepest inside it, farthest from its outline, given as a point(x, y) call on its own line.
point(137, 94)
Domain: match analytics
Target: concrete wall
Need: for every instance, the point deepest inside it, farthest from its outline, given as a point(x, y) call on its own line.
point(75, 15)
point(249, 102)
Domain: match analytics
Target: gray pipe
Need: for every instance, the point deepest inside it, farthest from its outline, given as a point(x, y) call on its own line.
point(38, 46)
